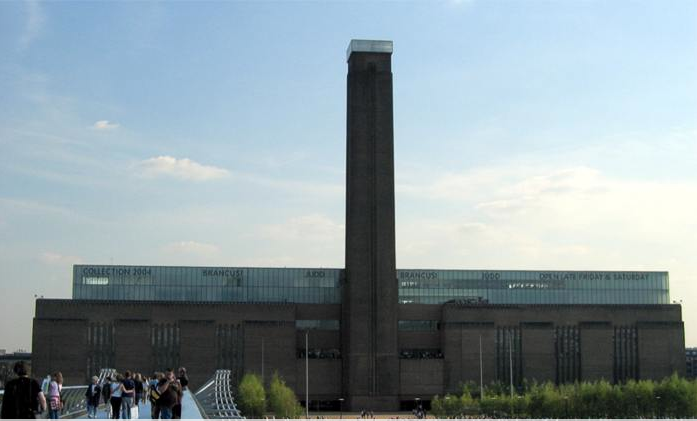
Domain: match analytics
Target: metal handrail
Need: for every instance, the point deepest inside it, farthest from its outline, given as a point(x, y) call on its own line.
point(74, 401)
point(215, 397)
point(213, 400)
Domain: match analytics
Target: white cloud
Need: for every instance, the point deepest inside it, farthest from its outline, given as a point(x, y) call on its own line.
point(549, 218)
point(184, 169)
point(104, 125)
point(308, 228)
point(302, 241)
point(52, 258)
point(34, 24)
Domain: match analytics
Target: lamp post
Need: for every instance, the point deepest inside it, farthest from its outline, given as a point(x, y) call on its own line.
point(481, 370)
point(307, 375)
point(510, 359)
point(341, 408)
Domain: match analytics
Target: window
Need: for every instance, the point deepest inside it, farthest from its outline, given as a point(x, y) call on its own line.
point(418, 325)
point(327, 324)
point(420, 354)
point(95, 280)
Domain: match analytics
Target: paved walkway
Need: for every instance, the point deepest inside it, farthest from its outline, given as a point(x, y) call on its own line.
point(189, 409)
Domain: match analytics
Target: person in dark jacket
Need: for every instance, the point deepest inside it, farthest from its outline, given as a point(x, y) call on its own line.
point(106, 395)
point(169, 390)
point(92, 396)
point(23, 397)
point(183, 380)
point(154, 395)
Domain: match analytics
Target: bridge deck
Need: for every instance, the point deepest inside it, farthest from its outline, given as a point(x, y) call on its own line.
point(189, 409)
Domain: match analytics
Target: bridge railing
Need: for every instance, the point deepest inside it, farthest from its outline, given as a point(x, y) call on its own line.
point(215, 398)
point(73, 401)
point(217, 392)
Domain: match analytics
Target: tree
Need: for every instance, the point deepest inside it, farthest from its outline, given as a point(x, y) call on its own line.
point(495, 406)
point(282, 399)
point(676, 397)
point(470, 388)
point(251, 396)
point(452, 405)
point(468, 405)
point(437, 407)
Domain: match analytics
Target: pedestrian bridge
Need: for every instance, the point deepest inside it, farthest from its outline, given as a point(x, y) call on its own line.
point(213, 400)
point(190, 409)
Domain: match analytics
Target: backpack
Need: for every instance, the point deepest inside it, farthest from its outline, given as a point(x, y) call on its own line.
point(44, 385)
point(154, 395)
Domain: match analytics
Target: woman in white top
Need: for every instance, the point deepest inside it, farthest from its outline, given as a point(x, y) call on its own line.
point(54, 396)
point(116, 394)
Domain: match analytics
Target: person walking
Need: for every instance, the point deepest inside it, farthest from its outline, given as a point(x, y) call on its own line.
point(106, 395)
point(116, 395)
point(23, 397)
point(138, 378)
point(154, 395)
point(92, 396)
point(128, 393)
point(55, 404)
point(44, 384)
point(183, 378)
point(168, 388)
point(183, 381)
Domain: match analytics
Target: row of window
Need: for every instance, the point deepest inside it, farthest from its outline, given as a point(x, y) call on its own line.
point(509, 283)
point(165, 344)
point(208, 294)
point(324, 285)
point(413, 276)
point(420, 354)
point(327, 324)
point(578, 296)
point(319, 353)
point(418, 325)
point(333, 295)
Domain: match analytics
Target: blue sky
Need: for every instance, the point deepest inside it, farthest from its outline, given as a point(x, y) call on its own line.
point(528, 135)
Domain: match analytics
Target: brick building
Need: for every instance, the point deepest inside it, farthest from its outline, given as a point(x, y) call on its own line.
point(377, 336)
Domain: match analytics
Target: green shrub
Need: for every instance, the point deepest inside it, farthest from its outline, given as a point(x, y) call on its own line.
point(672, 397)
point(282, 399)
point(251, 396)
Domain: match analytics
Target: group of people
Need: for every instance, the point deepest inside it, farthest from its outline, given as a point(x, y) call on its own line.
point(122, 393)
point(419, 412)
point(165, 393)
point(25, 398)
point(367, 414)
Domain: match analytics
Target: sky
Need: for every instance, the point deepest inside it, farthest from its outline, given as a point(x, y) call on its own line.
point(528, 135)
